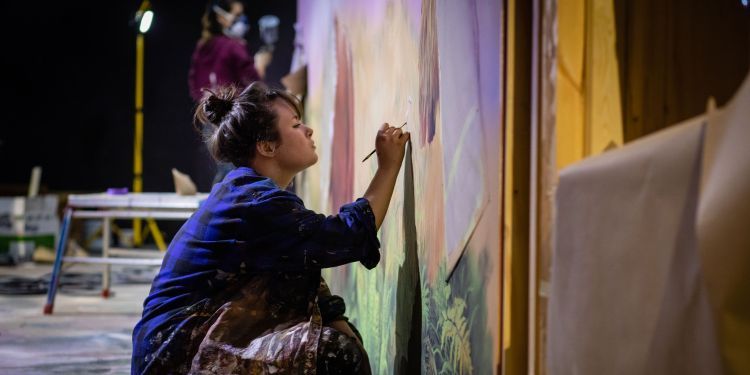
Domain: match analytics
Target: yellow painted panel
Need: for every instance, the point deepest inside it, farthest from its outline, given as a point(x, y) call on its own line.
point(571, 34)
point(570, 81)
point(569, 123)
point(604, 109)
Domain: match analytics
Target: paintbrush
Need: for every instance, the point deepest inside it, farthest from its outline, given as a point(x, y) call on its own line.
point(373, 151)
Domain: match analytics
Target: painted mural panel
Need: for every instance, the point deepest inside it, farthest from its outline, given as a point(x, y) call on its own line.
point(464, 183)
point(371, 62)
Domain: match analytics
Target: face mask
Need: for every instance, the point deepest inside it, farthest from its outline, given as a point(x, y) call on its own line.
point(240, 24)
point(239, 28)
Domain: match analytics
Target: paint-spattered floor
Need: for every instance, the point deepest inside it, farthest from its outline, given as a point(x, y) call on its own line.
point(86, 334)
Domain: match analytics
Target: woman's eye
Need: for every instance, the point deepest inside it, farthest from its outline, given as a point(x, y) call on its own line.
point(297, 125)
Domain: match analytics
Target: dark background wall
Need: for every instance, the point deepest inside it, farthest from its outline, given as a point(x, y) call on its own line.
point(69, 86)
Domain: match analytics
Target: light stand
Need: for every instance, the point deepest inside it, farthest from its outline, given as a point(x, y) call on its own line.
point(143, 19)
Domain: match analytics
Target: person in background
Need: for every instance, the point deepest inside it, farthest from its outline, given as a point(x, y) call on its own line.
point(221, 56)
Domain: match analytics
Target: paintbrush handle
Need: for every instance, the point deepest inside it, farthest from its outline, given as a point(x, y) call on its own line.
point(373, 151)
point(368, 156)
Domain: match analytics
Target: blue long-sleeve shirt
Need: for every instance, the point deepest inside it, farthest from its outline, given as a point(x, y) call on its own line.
point(246, 226)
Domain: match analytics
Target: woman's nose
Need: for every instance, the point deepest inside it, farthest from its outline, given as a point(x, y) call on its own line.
point(309, 131)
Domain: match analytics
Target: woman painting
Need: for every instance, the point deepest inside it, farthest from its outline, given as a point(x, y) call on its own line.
point(239, 290)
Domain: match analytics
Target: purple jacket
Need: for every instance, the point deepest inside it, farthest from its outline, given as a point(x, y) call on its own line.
point(219, 61)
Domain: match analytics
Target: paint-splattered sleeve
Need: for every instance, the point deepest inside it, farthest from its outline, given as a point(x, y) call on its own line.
point(287, 236)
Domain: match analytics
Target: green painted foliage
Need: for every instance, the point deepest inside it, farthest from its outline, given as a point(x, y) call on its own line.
point(447, 346)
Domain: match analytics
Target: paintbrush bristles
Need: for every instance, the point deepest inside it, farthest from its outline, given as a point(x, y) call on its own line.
point(373, 151)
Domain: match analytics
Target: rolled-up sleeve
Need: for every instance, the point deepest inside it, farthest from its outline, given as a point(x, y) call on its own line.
point(287, 236)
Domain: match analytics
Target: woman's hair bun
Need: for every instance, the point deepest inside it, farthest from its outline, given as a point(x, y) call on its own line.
point(216, 108)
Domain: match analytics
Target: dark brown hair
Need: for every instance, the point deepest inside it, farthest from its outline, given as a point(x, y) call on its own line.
point(239, 120)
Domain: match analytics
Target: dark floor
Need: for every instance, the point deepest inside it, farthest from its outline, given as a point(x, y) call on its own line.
point(86, 334)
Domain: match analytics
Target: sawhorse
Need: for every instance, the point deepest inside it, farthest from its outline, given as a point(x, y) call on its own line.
point(153, 206)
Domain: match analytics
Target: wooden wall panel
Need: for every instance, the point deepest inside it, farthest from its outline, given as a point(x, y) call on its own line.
point(675, 54)
point(516, 188)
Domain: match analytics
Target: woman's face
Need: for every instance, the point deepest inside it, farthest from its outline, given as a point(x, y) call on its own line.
point(296, 149)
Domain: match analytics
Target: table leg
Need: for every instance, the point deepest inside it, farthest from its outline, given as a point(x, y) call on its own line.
point(106, 234)
point(57, 268)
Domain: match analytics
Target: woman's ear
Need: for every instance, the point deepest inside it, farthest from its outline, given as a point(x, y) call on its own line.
point(266, 148)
